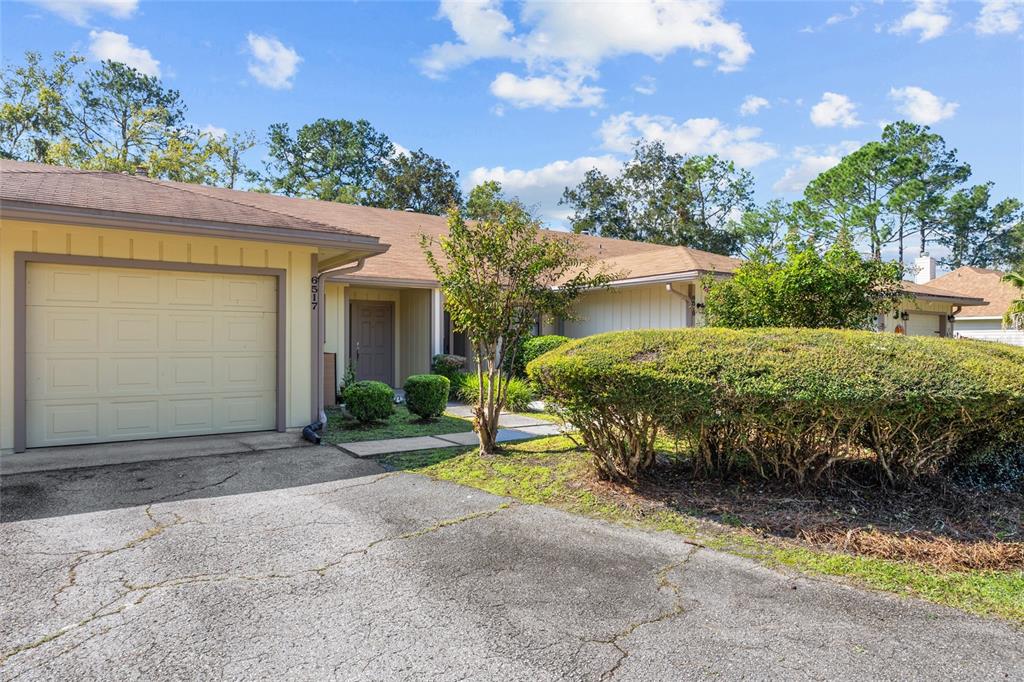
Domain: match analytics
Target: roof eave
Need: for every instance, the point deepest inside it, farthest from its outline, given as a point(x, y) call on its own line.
point(38, 212)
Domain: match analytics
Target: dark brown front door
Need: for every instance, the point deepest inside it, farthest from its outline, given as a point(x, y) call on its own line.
point(372, 340)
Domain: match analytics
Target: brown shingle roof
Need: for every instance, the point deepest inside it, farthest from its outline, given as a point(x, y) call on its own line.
point(980, 283)
point(934, 292)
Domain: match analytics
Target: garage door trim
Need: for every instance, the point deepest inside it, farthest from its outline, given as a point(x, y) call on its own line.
point(23, 258)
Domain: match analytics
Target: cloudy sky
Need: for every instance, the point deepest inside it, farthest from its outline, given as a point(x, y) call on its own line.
point(536, 93)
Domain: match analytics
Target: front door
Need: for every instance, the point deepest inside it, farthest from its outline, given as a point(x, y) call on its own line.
point(372, 341)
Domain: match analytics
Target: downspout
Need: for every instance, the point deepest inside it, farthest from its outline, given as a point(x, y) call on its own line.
point(312, 431)
point(952, 323)
point(690, 312)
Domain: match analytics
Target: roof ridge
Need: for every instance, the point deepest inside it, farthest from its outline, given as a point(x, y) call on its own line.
point(184, 187)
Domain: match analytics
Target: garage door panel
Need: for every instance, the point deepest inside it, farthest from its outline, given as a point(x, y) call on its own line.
point(62, 423)
point(120, 353)
point(58, 377)
point(923, 324)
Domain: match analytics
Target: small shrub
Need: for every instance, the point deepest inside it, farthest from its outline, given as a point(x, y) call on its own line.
point(426, 395)
point(451, 367)
point(369, 401)
point(518, 396)
point(786, 403)
point(534, 347)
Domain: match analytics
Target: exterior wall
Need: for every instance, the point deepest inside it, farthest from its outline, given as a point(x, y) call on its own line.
point(412, 326)
point(926, 318)
point(36, 237)
point(640, 307)
point(966, 325)
point(415, 324)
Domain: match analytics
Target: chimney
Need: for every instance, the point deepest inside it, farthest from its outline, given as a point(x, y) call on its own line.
point(141, 171)
point(925, 267)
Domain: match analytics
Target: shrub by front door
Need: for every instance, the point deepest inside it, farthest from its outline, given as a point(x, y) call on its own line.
point(372, 340)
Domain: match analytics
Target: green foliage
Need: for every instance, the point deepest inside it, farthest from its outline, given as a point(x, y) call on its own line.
point(415, 180)
point(453, 368)
point(36, 106)
point(982, 235)
point(532, 348)
point(1013, 318)
point(665, 199)
point(369, 401)
point(786, 403)
point(837, 289)
point(426, 394)
point(518, 392)
point(499, 273)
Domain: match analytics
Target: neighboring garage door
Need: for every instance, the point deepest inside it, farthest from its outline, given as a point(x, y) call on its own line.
point(923, 324)
point(122, 353)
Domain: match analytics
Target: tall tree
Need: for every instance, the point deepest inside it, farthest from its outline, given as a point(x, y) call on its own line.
point(329, 159)
point(665, 199)
point(228, 150)
point(766, 228)
point(499, 272)
point(415, 180)
point(977, 233)
point(35, 106)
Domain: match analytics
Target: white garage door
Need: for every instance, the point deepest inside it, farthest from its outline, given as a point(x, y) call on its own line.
point(923, 324)
point(122, 353)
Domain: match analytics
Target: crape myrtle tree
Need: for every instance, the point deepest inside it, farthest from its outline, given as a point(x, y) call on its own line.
point(836, 289)
point(499, 272)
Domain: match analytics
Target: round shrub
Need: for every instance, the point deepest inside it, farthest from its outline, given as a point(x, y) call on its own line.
point(534, 347)
point(452, 367)
point(518, 393)
point(426, 395)
point(786, 403)
point(369, 401)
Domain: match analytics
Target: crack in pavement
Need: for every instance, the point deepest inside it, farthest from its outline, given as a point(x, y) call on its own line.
point(197, 489)
point(146, 589)
point(663, 582)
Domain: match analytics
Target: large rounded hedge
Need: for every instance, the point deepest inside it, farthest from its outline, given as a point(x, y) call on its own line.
point(369, 401)
point(790, 403)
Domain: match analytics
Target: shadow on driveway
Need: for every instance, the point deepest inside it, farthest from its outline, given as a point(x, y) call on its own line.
point(76, 491)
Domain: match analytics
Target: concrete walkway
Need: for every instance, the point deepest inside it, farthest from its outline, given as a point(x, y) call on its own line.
point(514, 427)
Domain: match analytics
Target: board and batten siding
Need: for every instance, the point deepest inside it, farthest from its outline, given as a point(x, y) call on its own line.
point(38, 237)
point(414, 323)
point(641, 307)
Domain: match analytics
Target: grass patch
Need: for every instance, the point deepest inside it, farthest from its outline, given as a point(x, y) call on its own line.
point(402, 424)
point(555, 472)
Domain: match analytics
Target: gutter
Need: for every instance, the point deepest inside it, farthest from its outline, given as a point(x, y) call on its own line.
point(312, 431)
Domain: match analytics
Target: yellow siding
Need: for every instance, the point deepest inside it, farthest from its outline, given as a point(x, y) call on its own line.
point(414, 322)
point(111, 243)
point(645, 307)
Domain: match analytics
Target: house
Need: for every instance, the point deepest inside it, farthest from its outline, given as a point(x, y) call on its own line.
point(135, 308)
point(985, 321)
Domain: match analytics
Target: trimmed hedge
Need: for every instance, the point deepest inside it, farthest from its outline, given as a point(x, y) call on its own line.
point(453, 368)
point(426, 395)
point(369, 401)
point(518, 394)
point(534, 347)
point(786, 403)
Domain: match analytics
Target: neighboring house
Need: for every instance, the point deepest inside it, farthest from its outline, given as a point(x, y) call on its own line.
point(135, 308)
point(986, 321)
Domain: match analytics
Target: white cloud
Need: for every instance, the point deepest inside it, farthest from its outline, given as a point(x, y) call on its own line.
point(117, 48)
point(215, 132)
point(753, 104)
point(999, 16)
point(693, 136)
point(834, 110)
point(274, 63)
point(809, 164)
point(854, 11)
point(80, 11)
point(929, 17)
point(568, 41)
point(549, 92)
point(647, 85)
point(543, 186)
point(922, 106)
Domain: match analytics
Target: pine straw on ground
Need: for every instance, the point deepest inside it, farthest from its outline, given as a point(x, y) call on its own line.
point(935, 524)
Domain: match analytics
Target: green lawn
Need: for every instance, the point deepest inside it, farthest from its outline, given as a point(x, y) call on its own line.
point(555, 472)
point(402, 424)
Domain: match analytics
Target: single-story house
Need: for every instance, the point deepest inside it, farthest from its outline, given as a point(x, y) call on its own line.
point(135, 308)
point(985, 321)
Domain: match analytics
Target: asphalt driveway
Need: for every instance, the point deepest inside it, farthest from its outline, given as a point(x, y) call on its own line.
point(303, 563)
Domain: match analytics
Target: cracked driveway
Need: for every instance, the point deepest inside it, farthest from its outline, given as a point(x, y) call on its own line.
point(304, 563)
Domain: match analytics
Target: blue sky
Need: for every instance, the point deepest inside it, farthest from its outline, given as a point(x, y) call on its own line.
point(534, 94)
